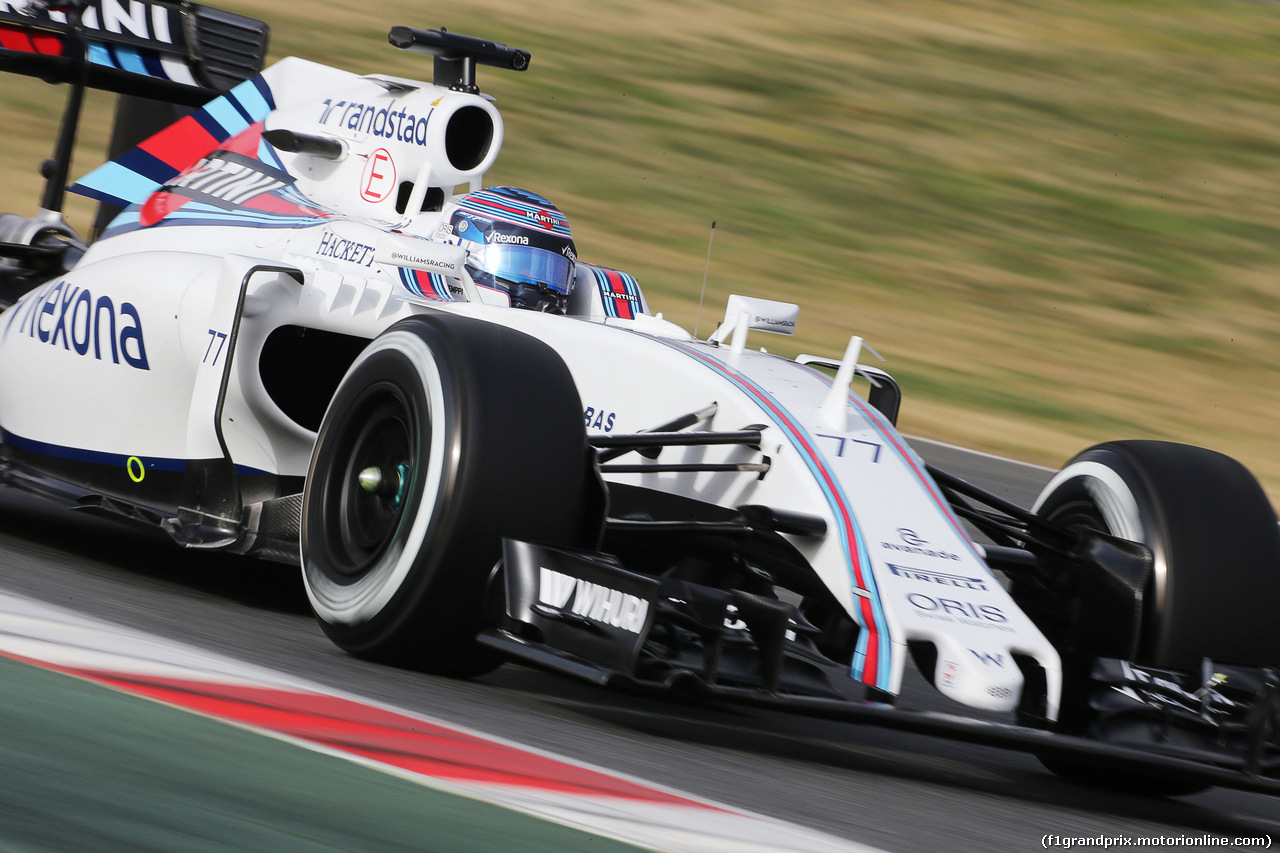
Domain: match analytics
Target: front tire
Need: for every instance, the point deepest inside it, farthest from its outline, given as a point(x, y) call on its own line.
point(445, 436)
point(1215, 583)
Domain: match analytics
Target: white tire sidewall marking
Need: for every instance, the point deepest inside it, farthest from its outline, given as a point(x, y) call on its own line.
point(1109, 492)
point(1119, 508)
point(357, 603)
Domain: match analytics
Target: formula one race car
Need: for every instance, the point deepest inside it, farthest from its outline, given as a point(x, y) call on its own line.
point(299, 338)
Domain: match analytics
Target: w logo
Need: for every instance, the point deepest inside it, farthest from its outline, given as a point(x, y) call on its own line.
point(988, 659)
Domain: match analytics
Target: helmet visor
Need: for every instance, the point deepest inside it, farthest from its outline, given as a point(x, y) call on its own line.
point(525, 264)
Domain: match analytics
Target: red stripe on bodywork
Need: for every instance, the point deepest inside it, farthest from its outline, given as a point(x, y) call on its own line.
point(620, 287)
point(181, 145)
point(25, 41)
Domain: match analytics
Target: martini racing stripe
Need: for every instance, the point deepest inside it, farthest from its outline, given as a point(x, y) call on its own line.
point(179, 146)
point(428, 285)
point(619, 292)
point(908, 457)
point(517, 207)
point(201, 214)
point(872, 659)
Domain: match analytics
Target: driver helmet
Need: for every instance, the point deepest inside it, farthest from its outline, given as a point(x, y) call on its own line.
point(517, 242)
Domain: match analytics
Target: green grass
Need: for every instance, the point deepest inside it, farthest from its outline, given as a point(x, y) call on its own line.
point(1059, 221)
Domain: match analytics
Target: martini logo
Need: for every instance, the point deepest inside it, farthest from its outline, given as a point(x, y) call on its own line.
point(543, 218)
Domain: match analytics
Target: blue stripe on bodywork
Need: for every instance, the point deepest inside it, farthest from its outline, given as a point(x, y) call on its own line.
point(98, 457)
point(850, 534)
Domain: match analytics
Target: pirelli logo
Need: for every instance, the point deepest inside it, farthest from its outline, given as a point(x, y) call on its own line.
point(228, 180)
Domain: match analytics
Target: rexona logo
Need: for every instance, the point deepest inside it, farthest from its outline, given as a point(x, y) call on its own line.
point(499, 237)
point(69, 317)
point(592, 601)
point(941, 578)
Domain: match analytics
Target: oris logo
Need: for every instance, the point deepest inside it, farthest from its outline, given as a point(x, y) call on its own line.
point(955, 610)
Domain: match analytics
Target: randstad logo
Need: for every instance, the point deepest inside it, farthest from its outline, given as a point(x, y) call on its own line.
point(387, 122)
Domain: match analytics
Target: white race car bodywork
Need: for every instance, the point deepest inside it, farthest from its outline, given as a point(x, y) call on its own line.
point(123, 361)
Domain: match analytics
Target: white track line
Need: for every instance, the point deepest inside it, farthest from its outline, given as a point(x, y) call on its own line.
point(59, 637)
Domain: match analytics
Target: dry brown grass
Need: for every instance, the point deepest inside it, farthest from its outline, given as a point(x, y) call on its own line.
point(1059, 221)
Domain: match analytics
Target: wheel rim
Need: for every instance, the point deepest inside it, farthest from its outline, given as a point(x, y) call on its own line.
point(364, 493)
point(1080, 514)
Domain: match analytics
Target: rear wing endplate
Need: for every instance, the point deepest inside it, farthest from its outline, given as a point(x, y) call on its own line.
point(179, 52)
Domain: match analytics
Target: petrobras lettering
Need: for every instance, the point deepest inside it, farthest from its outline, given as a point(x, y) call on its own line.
point(941, 578)
point(955, 610)
point(386, 122)
point(338, 248)
point(592, 601)
point(499, 237)
point(599, 418)
point(70, 318)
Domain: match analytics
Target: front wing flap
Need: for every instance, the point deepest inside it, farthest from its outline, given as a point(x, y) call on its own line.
point(584, 614)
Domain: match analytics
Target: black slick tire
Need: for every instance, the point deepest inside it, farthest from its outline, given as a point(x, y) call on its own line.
point(445, 436)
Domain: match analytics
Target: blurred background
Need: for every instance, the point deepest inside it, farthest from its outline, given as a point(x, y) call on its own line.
point(1058, 221)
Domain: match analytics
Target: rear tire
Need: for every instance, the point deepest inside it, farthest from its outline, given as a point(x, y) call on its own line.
point(475, 434)
point(1216, 580)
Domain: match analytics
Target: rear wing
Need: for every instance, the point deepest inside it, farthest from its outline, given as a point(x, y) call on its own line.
point(164, 50)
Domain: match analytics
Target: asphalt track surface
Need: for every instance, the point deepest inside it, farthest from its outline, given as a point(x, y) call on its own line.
point(894, 791)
